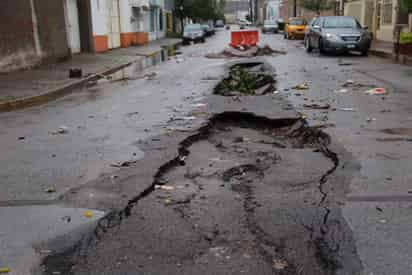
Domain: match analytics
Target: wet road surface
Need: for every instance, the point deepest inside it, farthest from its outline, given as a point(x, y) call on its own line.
point(270, 222)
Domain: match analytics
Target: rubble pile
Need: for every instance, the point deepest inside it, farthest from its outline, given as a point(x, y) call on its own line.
point(245, 52)
point(246, 80)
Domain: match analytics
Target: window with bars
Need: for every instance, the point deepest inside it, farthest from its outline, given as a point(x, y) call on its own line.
point(387, 11)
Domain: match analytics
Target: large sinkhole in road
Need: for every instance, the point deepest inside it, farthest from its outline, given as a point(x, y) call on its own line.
point(249, 78)
point(253, 185)
point(243, 195)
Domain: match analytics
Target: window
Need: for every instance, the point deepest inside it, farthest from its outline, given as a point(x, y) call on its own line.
point(152, 20)
point(403, 17)
point(387, 10)
point(161, 19)
point(297, 22)
point(340, 22)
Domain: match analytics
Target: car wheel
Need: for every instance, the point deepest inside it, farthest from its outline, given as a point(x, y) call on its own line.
point(203, 40)
point(285, 36)
point(364, 53)
point(308, 47)
point(321, 48)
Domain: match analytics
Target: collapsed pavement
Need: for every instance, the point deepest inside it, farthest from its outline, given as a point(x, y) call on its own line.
point(239, 195)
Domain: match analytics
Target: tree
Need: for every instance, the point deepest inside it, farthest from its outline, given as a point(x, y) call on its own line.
point(406, 5)
point(316, 5)
point(202, 10)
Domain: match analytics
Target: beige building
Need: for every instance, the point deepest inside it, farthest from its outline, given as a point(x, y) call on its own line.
point(380, 17)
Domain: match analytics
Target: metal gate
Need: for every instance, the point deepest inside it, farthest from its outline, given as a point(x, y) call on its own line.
point(369, 12)
point(113, 23)
point(73, 29)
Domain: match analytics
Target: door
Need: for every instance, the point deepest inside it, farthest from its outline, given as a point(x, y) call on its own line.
point(73, 29)
point(113, 23)
point(369, 11)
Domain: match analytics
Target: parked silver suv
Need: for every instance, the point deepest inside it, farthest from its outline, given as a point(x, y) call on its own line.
point(337, 34)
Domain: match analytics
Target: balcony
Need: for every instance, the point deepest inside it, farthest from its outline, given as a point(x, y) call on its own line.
point(154, 3)
point(139, 3)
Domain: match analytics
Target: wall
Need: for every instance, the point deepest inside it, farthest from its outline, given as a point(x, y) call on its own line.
point(86, 27)
point(17, 46)
point(385, 32)
point(52, 29)
point(355, 9)
point(132, 25)
point(99, 22)
point(169, 5)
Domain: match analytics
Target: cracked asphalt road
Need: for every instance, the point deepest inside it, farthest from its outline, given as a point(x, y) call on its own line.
point(222, 186)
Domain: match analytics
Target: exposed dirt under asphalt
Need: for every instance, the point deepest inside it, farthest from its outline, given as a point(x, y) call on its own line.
point(240, 195)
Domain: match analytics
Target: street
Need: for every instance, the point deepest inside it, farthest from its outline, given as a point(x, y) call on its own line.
point(311, 178)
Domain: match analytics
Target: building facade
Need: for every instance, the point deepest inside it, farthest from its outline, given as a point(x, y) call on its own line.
point(234, 9)
point(31, 31)
point(36, 31)
point(380, 16)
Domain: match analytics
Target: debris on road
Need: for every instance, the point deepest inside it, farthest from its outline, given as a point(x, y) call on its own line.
point(245, 52)
point(279, 264)
point(61, 130)
point(164, 187)
point(197, 105)
point(89, 214)
point(317, 106)
point(247, 80)
point(189, 118)
point(21, 138)
point(394, 139)
point(376, 91)
point(348, 109)
point(67, 219)
point(75, 73)
point(303, 86)
point(379, 209)
point(344, 63)
point(50, 190)
point(370, 119)
point(348, 82)
point(341, 91)
point(123, 164)
point(4, 270)
point(323, 126)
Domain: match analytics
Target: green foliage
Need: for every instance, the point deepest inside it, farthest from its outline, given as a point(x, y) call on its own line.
point(406, 5)
point(244, 81)
point(316, 5)
point(173, 34)
point(202, 10)
point(406, 38)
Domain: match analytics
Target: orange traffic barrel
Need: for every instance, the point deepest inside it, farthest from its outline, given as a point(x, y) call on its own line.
point(244, 38)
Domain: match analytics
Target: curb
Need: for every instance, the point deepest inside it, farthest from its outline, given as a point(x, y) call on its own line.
point(67, 89)
point(380, 53)
point(56, 93)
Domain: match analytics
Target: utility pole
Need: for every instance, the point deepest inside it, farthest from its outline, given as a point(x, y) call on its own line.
point(181, 17)
point(295, 12)
point(251, 10)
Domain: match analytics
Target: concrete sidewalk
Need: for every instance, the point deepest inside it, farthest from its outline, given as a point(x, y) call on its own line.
point(47, 82)
point(386, 50)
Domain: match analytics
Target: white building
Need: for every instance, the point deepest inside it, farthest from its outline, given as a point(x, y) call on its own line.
point(116, 23)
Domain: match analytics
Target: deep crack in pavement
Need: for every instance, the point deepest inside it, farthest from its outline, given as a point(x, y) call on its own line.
point(240, 196)
point(233, 160)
